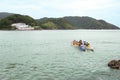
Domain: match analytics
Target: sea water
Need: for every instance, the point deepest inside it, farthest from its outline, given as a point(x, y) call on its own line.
point(49, 55)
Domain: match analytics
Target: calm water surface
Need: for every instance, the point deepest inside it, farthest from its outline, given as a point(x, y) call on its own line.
point(48, 55)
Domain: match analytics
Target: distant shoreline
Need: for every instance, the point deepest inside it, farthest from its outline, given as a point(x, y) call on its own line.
point(59, 29)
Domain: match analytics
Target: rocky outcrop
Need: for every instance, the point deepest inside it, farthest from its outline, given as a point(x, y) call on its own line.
point(114, 64)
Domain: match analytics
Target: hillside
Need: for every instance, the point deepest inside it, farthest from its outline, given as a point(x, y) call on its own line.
point(89, 23)
point(5, 23)
point(4, 14)
point(75, 23)
point(54, 23)
point(71, 22)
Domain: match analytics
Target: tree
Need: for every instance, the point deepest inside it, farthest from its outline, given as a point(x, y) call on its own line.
point(16, 18)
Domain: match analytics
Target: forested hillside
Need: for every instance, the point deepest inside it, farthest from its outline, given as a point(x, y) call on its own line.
point(54, 23)
point(4, 14)
point(89, 23)
point(74, 23)
point(5, 23)
point(71, 22)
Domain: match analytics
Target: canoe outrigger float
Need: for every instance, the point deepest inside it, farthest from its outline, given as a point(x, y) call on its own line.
point(83, 46)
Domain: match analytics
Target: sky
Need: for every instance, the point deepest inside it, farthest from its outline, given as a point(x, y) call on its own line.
point(108, 10)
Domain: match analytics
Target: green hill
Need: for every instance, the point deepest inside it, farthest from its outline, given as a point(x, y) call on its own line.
point(89, 23)
point(4, 14)
point(75, 23)
point(54, 23)
point(5, 23)
point(71, 22)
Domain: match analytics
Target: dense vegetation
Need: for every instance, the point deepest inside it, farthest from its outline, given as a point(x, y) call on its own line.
point(74, 23)
point(5, 14)
point(6, 19)
point(5, 23)
point(54, 23)
point(89, 23)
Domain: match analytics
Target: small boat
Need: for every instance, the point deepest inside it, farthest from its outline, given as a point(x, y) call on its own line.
point(83, 47)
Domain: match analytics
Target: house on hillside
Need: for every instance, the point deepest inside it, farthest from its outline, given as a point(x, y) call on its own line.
point(22, 26)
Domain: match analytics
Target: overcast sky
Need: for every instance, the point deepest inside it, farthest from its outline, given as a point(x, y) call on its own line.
point(108, 10)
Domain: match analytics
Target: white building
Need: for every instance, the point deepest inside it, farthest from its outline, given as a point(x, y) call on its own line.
point(22, 26)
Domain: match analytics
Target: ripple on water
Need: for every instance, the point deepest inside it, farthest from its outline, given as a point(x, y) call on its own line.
point(48, 55)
